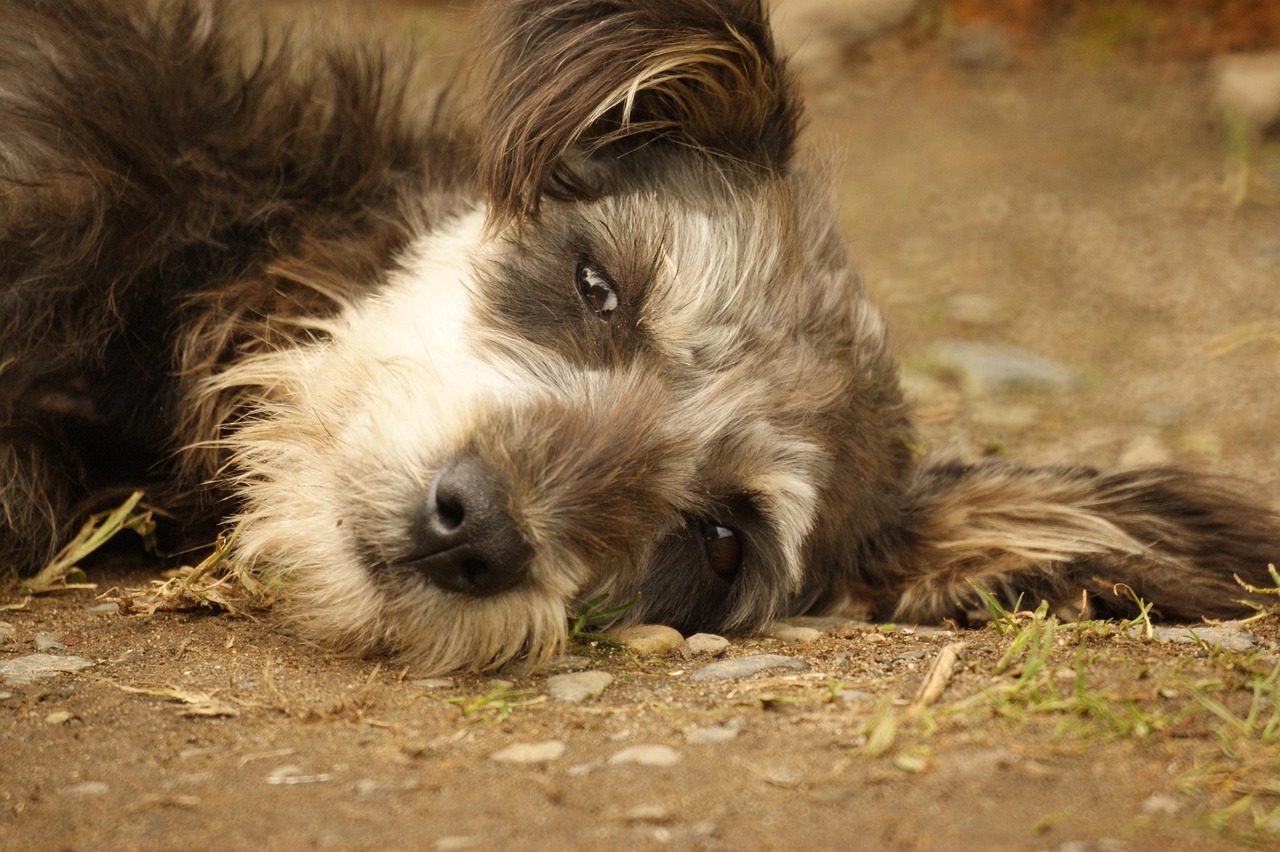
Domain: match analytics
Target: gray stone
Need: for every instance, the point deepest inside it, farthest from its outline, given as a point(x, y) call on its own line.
point(647, 755)
point(565, 663)
point(704, 645)
point(578, 686)
point(23, 670)
point(851, 695)
point(1229, 635)
point(648, 638)
point(434, 683)
point(543, 752)
point(714, 734)
point(984, 368)
point(48, 641)
point(740, 667)
point(103, 608)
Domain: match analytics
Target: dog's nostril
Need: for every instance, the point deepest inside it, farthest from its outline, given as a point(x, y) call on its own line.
point(464, 540)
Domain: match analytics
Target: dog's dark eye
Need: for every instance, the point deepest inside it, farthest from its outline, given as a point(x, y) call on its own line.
point(724, 550)
point(596, 289)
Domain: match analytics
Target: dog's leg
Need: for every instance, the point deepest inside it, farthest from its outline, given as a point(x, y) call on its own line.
point(1084, 541)
point(35, 498)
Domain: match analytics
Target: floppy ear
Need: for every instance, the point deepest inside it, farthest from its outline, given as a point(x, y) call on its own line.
point(573, 80)
point(1076, 538)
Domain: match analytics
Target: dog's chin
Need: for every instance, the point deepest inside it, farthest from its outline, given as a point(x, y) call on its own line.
point(354, 610)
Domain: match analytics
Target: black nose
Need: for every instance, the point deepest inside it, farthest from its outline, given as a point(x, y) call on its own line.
point(464, 540)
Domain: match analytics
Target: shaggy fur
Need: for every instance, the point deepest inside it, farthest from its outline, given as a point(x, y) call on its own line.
point(452, 372)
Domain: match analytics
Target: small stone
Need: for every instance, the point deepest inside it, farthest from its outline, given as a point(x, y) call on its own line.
point(434, 683)
point(291, 774)
point(714, 734)
point(87, 788)
point(649, 813)
point(448, 844)
point(850, 695)
point(740, 667)
point(1229, 635)
point(909, 655)
point(704, 645)
point(24, 670)
point(647, 755)
point(47, 641)
point(543, 752)
point(8, 632)
point(984, 368)
point(578, 686)
point(565, 663)
point(1248, 89)
point(59, 717)
point(1162, 806)
point(369, 787)
point(103, 608)
point(648, 638)
point(790, 633)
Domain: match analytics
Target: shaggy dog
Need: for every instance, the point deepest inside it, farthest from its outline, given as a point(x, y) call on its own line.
point(450, 370)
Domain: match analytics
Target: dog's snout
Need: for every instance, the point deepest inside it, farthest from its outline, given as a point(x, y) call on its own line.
point(464, 539)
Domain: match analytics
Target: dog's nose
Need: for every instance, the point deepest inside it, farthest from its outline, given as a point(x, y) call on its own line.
point(465, 541)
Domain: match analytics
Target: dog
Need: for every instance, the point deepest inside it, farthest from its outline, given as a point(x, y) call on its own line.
point(451, 363)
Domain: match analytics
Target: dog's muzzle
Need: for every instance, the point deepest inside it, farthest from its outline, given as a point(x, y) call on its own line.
point(464, 540)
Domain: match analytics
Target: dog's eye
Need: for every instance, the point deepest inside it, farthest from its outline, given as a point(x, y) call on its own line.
point(724, 550)
point(596, 289)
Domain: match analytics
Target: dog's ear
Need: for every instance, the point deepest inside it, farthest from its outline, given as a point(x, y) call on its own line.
point(1086, 542)
point(576, 80)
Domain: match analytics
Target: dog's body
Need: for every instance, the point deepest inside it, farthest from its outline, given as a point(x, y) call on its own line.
point(451, 375)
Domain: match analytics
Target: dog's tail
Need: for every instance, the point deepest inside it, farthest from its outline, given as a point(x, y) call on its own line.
point(1090, 544)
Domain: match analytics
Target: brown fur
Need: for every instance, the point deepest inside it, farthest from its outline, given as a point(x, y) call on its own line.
point(221, 264)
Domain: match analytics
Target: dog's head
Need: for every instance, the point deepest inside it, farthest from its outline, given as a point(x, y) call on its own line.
point(641, 366)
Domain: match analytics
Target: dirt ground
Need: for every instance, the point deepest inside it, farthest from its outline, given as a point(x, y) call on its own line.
point(1079, 204)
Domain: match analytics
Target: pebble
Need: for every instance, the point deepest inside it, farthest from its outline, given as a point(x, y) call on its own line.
point(704, 645)
point(87, 788)
point(1164, 806)
point(985, 368)
point(47, 641)
point(543, 752)
point(434, 683)
point(578, 686)
point(791, 633)
point(102, 608)
point(647, 755)
point(565, 663)
point(59, 717)
point(1248, 89)
point(291, 774)
point(648, 638)
point(1229, 635)
point(448, 844)
point(714, 734)
point(851, 695)
point(24, 670)
point(739, 667)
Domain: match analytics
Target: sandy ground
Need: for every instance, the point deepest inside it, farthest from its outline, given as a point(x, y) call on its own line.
point(1070, 204)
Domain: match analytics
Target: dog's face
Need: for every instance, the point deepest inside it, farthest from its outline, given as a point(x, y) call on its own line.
point(641, 366)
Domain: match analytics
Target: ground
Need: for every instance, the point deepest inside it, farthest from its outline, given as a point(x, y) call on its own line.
point(1082, 204)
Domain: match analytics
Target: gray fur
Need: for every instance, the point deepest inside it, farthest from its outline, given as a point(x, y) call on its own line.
point(298, 293)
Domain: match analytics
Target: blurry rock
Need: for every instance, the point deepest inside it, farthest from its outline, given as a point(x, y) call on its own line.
point(1247, 89)
point(792, 633)
point(980, 48)
point(819, 35)
point(647, 755)
point(704, 645)
point(984, 368)
point(576, 687)
point(543, 752)
point(739, 667)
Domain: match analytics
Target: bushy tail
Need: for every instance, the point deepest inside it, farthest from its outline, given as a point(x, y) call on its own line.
point(1086, 542)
